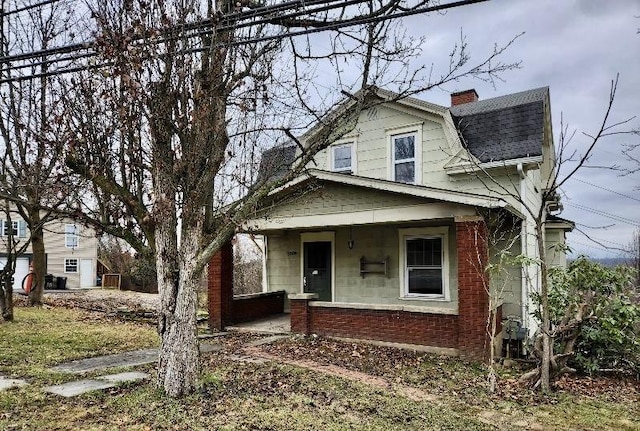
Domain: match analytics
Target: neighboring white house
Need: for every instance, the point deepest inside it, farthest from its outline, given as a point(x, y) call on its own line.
point(71, 251)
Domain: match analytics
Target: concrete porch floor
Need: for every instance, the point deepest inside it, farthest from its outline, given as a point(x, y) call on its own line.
point(278, 324)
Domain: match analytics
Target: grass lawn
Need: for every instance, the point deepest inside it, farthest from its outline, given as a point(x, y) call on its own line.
point(239, 395)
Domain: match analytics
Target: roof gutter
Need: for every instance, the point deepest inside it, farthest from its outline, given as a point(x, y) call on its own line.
point(469, 167)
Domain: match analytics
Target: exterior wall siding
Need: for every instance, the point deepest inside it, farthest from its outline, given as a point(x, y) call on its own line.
point(372, 242)
point(57, 252)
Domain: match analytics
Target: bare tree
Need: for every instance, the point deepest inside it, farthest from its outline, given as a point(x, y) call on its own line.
point(565, 164)
point(31, 129)
point(169, 124)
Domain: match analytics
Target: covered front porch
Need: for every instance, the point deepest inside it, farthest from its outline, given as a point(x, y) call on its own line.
point(352, 262)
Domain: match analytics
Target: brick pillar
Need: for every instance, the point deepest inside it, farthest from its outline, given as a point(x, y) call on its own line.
point(220, 287)
point(473, 280)
point(300, 313)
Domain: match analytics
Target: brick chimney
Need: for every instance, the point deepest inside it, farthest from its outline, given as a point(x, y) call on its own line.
point(466, 96)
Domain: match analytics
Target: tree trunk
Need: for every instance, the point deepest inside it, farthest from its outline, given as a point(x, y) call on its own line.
point(179, 362)
point(547, 347)
point(39, 257)
point(6, 296)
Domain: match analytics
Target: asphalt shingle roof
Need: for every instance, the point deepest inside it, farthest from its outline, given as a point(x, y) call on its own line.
point(505, 127)
point(276, 162)
point(501, 128)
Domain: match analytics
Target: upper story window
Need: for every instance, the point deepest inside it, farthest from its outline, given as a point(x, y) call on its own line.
point(405, 153)
point(71, 236)
point(404, 158)
point(18, 228)
point(343, 158)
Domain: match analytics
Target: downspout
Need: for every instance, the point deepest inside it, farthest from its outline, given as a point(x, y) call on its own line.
point(265, 278)
point(524, 298)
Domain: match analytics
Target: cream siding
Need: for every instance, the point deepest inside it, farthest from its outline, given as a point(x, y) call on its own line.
point(337, 198)
point(372, 242)
point(57, 252)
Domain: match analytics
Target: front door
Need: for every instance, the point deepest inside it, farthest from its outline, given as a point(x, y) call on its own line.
point(317, 269)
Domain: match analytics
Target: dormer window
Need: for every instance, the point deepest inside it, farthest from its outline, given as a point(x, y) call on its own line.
point(343, 158)
point(404, 158)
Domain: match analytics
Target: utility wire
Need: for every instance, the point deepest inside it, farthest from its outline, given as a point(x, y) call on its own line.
point(605, 214)
point(325, 27)
point(29, 7)
point(606, 189)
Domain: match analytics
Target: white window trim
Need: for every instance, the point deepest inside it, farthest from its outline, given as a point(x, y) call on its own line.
point(328, 236)
point(354, 160)
point(77, 271)
point(409, 129)
point(68, 235)
point(427, 232)
point(13, 223)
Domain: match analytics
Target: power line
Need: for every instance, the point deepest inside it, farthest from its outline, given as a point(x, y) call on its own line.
point(206, 25)
point(606, 189)
point(29, 7)
point(605, 214)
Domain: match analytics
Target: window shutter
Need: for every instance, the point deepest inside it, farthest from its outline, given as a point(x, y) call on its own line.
point(2, 228)
point(22, 229)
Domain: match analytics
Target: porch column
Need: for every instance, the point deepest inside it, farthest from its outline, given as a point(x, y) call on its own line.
point(473, 285)
point(220, 287)
point(300, 313)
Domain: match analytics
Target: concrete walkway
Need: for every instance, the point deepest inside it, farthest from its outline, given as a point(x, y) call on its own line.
point(80, 387)
point(98, 363)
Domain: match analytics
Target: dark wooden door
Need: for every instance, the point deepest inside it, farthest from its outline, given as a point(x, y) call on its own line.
point(317, 269)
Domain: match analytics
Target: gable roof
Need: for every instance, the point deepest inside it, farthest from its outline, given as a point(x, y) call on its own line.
point(503, 128)
point(444, 195)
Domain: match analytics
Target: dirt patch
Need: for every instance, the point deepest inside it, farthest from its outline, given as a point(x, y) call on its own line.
point(413, 394)
point(104, 300)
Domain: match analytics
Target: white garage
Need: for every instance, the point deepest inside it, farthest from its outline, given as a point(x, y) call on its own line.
point(22, 269)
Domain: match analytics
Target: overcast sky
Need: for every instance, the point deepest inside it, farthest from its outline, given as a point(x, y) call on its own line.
point(576, 48)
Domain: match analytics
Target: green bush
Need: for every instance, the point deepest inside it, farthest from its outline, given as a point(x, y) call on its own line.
point(601, 299)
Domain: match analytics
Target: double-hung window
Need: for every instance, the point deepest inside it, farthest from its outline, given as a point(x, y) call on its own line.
point(71, 236)
point(423, 263)
point(71, 265)
point(18, 228)
point(404, 158)
point(343, 158)
point(405, 153)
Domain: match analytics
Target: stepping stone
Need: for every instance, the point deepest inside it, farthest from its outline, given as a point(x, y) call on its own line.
point(208, 347)
point(119, 360)
point(7, 383)
point(127, 359)
point(79, 387)
point(132, 376)
point(212, 335)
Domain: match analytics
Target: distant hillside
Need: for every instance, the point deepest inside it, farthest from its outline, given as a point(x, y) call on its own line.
point(609, 261)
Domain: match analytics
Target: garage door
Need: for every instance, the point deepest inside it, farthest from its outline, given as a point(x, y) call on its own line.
point(22, 269)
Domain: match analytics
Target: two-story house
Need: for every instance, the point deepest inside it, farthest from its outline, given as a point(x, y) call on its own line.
point(388, 235)
point(71, 251)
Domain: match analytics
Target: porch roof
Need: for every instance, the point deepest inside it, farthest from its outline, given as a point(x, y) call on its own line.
point(426, 192)
point(418, 203)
